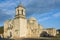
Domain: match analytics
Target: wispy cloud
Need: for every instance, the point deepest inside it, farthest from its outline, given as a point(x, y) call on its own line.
point(44, 19)
point(56, 14)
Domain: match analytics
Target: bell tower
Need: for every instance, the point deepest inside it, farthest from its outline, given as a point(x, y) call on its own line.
point(20, 11)
point(21, 21)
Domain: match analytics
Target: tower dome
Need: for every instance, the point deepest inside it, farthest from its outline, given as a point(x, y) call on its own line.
point(32, 18)
point(20, 5)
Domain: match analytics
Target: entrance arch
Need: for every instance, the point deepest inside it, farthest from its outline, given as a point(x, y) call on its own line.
point(44, 34)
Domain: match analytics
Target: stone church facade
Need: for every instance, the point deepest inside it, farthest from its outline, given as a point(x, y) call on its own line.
point(20, 27)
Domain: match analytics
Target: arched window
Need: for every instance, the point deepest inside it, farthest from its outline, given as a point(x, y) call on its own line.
point(10, 34)
point(18, 11)
point(22, 12)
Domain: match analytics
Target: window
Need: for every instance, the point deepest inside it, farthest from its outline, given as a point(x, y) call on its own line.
point(10, 27)
point(10, 34)
point(18, 12)
point(16, 31)
point(22, 12)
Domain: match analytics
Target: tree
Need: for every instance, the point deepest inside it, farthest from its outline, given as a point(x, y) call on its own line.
point(58, 30)
point(1, 29)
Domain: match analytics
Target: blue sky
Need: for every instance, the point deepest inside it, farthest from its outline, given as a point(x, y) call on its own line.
point(47, 12)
